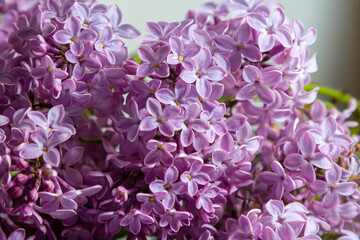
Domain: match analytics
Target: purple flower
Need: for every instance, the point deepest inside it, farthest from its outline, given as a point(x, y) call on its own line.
point(256, 81)
point(202, 73)
point(153, 62)
point(302, 39)
point(307, 158)
point(82, 61)
point(53, 121)
point(124, 30)
point(57, 10)
point(178, 97)
point(285, 219)
point(215, 118)
point(270, 29)
point(109, 45)
point(130, 125)
point(72, 175)
point(159, 151)
point(134, 219)
point(73, 35)
point(239, 47)
point(5, 164)
point(44, 146)
point(175, 219)
point(193, 177)
point(332, 187)
point(208, 192)
point(152, 203)
point(243, 228)
point(169, 185)
point(279, 179)
point(48, 72)
point(159, 118)
point(190, 123)
point(50, 202)
point(181, 54)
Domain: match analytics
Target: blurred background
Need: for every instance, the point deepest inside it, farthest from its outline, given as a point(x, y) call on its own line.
point(337, 23)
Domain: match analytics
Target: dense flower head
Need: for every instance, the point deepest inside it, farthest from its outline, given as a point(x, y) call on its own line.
point(208, 134)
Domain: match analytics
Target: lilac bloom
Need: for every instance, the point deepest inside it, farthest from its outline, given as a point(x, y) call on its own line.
point(281, 180)
point(302, 39)
point(190, 123)
point(71, 175)
point(242, 229)
point(151, 202)
point(307, 158)
point(256, 81)
point(58, 10)
point(82, 61)
point(134, 219)
point(177, 97)
point(121, 195)
point(285, 219)
point(5, 165)
point(73, 35)
point(18, 234)
point(208, 192)
point(145, 90)
point(208, 103)
point(109, 45)
point(244, 7)
point(203, 72)
point(215, 118)
point(153, 62)
point(193, 177)
point(175, 219)
point(159, 118)
point(159, 151)
point(332, 187)
point(113, 219)
point(48, 72)
point(53, 121)
point(130, 125)
point(125, 30)
point(90, 20)
point(160, 32)
point(50, 202)
point(168, 185)
point(330, 141)
point(44, 146)
point(245, 144)
point(239, 47)
point(181, 54)
point(270, 29)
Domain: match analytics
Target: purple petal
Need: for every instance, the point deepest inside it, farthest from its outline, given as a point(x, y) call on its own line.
point(63, 36)
point(30, 151)
point(346, 188)
point(52, 156)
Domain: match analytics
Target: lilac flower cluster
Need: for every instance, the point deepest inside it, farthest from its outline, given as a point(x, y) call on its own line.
point(209, 135)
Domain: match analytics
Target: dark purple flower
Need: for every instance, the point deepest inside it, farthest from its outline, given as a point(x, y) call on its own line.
point(134, 219)
point(48, 72)
point(193, 177)
point(73, 35)
point(159, 118)
point(153, 62)
point(203, 72)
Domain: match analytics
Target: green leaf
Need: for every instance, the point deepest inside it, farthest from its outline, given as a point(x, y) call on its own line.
point(14, 173)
